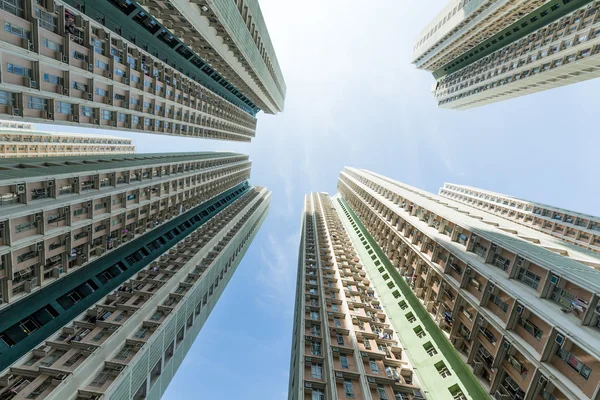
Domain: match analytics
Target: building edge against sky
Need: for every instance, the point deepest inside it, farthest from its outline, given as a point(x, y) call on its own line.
point(485, 51)
point(351, 336)
point(525, 318)
point(197, 69)
point(21, 140)
point(143, 299)
point(571, 226)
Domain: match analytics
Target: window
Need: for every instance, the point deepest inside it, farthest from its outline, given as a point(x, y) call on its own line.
point(499, 302)
point(381, 392)
point(87, 111)
point(106, 115)
point(47, 20)
point(12, 6)
point(374, 367)
point(6, 98)
point(15, 30)
point(531, 328)
point(348, 389)
point(574, 363)
point(18, 70)
point(318, 395)
point(79, 56)
point(37, 103)
point(340, 339)
point(56, 80)
point(64, 108)
point(100, 92)
point(317, 371)
point(315, 330)
point(315, 348)
point(337, 323)
point(102, 65)
point(80, 86)
point(344, 362)
point(529, 278)
point(314, 315)
point(52, 45)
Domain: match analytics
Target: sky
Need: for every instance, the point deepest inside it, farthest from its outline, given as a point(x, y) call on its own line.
point(354, 99)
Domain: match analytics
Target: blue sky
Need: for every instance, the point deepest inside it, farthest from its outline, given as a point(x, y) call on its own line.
point(354, 99)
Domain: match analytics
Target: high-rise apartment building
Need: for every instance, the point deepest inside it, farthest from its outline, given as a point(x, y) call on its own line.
point(484, 51)
point(21, 140)
point(106, 288)
point(520, 307)
point(357, 335)
point(570, 226)
point(177, 67)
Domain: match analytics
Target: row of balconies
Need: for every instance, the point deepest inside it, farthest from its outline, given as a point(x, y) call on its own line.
point(528, 327)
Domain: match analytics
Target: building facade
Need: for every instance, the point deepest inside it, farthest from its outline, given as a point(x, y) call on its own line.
point(356, 335)
point(519, 307)
point(178, 67)
point(570, 226)
point(136, 315)
point(21, 140)
point(484, 51)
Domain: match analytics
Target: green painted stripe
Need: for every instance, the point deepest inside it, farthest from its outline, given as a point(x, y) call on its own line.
point(541, 17)
point(393, 290)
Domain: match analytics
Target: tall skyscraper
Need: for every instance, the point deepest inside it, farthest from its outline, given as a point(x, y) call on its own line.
point(108, 278)
point(177, 67)
point(520, 307)
point(484, 51)
point(359, 333)
point(21, 140)
point(570, 226)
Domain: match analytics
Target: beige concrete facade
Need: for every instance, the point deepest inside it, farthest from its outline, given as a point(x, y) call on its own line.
point(563, 50)
point(73, 210)
point(344, 345)
point(72, 70)
point(571, 226)
point(131, 342)
point(526, 314)
point(21, 140)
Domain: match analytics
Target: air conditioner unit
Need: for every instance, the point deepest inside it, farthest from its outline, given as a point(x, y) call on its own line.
point(16, 111)
point(127, 81)
point(75, 180)
point(50, 116)
point(66, 209)
point(597, 309)
point(543, 381)
point(109, 75)
point(468, 270)
point(119, 368)
point(560, 339)
point(38, 217)
point(65, 58)
point(494, 248)
point(519, 309)
point(39, 247)
point(491, 288)
point(75, 118)
point(554, 279)
point(91, 67)
point(308, 338)
point(65, 91)
point(506, 345)
point(89, 228)
point(1, 226)
point(90, 96)
point(109, 101)
point(30, 45)
point(20, 189)
point(520, 261)
point(96, 121)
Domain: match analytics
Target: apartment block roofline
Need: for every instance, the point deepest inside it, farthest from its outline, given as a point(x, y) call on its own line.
point(531, 202)
point(563, 266)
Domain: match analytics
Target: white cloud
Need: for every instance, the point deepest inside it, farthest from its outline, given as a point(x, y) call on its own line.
point(277, 272)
